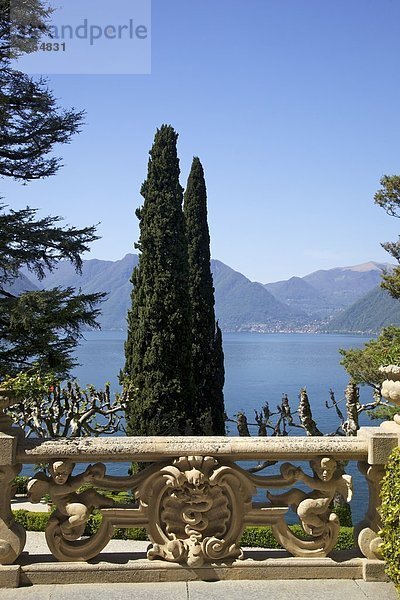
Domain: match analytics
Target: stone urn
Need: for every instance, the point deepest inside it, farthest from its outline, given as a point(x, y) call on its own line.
point(391, 386)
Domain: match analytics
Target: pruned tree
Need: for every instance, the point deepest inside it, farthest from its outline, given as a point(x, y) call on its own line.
point(70, 411)
point(207, 352)
point(158, 364)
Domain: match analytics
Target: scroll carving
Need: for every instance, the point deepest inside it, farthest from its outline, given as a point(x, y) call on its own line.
point(313, 509)
point(196, 508)
point(12, 534)
point(73, 509)
point(366, 532)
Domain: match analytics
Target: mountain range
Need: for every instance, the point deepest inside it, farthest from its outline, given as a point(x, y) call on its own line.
point(343, 299)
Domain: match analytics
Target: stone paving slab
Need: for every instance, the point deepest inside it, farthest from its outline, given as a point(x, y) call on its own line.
point(199, 590)
point(21, 503)
point(139, 585)
point(322, 589)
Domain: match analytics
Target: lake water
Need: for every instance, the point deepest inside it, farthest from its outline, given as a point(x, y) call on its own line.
point(259, 368)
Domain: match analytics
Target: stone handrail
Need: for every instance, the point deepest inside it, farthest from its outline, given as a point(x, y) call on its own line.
point(193, 498)
point(150, 449)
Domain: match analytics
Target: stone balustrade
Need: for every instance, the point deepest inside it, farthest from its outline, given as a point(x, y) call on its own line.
point(194, 498)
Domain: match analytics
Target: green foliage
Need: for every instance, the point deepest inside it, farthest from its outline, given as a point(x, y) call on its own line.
point(390, 513)
point(130, 533)
point(32, 521)
point(383, 413)
point(28, 383)
point(261, 537)
point(388, 197)
point(253, 537)
point(207, 353)
point(37, 521)
point(38, 243)
point(369, 314)
point(391, 281)
point(158, 368)
point(343, 511)
point(42, 326)
point(31, 121)
point(29, 20)
point(362, 364)
point(20, 482)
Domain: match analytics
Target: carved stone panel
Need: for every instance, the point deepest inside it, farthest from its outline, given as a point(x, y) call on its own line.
point(12, 534)
point(313, 508)
point(196, 509)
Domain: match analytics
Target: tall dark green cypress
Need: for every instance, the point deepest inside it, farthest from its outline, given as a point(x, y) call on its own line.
point(207, 353)
point(158, 369)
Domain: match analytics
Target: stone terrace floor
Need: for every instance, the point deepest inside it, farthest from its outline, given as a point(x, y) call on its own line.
point(323, 589)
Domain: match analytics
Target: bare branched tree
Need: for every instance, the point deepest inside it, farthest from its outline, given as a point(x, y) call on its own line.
point(71, 411)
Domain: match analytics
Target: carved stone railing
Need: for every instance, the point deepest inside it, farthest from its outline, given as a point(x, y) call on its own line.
point(193, 498)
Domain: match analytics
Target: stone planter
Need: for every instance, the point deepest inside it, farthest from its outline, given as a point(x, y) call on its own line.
point(391, 386)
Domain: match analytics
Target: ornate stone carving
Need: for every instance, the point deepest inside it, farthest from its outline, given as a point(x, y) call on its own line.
point(313, 509)
point(391, 386)
point(366, 532)
point(73, 509)
point(12, 535)
point(195, 510)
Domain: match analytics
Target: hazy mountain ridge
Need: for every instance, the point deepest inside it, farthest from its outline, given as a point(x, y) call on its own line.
point(108, 276)
point(243, 305)
point(300, 294)
point(373, 311)
point(20, 284)
point(319, 301)
point(345, 285)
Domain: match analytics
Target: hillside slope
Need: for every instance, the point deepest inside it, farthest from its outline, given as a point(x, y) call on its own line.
point(242, 305)
point(373, 311)
point(345, 285)
point(299, 294)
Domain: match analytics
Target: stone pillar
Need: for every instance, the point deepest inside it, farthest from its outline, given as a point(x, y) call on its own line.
point(12, 535)
point(381, 442)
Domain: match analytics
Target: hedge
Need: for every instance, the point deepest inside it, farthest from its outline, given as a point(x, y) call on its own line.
point(390, 513)
point(20, 484)
point(253, 537)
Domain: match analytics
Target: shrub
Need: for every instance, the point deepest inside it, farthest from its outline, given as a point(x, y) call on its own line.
point(343, 511)
point(32, 521)
point(262, 537)
point(390, 513)
point(19, 484)
point(253, 537)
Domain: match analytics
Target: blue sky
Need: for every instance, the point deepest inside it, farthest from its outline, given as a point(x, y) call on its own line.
point(292, 107)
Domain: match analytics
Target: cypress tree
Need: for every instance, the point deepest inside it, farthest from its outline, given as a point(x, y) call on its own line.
point(207, 353)
point(158, 372)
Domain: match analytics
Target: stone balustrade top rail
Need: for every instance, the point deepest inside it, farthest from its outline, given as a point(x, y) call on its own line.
point(153, 448)
point(195, 498)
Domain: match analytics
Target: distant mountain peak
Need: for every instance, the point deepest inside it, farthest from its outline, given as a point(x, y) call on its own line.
point(297, 304)
point(368, 266)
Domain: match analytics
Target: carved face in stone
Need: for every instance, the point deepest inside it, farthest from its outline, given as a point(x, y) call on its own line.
point(325, 468)
point(195, 477)
point(60, 470)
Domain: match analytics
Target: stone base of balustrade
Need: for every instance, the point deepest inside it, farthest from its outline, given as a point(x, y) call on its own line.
point(257, 565)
